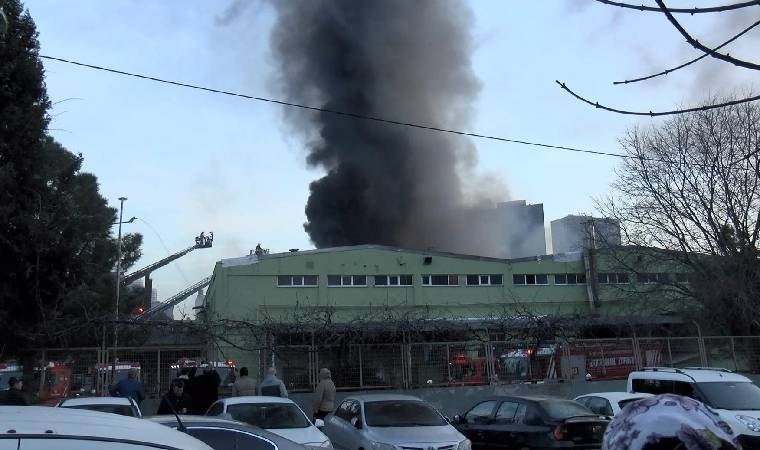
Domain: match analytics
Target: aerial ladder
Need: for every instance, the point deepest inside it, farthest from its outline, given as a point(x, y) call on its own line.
point(173, 300)
point(201, 241)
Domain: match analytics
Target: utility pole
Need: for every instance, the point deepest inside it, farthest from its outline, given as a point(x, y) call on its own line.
point(118, 290)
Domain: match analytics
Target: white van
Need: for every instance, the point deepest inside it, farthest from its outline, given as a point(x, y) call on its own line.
point(734, 397)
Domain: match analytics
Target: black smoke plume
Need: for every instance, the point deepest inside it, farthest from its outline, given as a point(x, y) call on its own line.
point(406, 60)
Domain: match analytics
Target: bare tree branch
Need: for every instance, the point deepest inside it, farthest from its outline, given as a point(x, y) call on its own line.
point(694, 10)
point(696, 44)
point(673, 69)
point(658, 113)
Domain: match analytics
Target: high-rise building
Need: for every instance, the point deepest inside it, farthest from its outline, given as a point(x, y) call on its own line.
point(575, 233)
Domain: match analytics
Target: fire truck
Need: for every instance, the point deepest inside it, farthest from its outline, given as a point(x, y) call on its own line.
point(468, 370)
point(602, 360)
point(101, 377)
point(55, 382)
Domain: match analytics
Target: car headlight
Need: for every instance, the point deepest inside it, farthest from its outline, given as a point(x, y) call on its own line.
point(465, 445)
point(382, 446)
point(750, 422)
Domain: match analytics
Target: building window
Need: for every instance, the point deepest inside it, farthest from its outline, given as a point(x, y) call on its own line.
point(485, 280)
point(297, 280)
point(347, 280)
point(570, 278)
point(652, 278)
point(530, 279)
point(393, 280)
point(612, 278)
point(681, 277)
point(440, 280)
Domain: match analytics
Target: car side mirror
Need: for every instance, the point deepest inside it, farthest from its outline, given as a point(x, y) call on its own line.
point(356, 422)
point(457, 419)
point(319, 423)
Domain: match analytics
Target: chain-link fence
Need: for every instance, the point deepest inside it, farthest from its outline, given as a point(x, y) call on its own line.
point(90, 371)
point(64, 372)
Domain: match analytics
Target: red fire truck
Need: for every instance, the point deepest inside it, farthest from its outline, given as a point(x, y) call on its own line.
point(55, 382)
point(599, 360)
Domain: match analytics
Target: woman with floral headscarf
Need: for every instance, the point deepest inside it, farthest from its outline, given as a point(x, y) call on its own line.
point(668, 422)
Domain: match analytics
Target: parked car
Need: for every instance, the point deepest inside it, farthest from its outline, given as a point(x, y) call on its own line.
point(114, 405)
point(278, 415)
point(390, 422)
point(734, 397)
point(608, 403)
point(37, 427)
point(507, 423)
point(223, 434)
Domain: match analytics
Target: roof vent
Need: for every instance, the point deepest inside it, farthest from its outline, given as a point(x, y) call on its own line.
point(293, 250)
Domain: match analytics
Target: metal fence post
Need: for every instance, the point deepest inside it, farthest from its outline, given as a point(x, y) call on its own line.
point(733, 353)
point(361, 369)
point(448, 366)
point(158, 372)
point(670, 352)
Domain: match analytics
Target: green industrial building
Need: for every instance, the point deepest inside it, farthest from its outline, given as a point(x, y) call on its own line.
point(376, 286)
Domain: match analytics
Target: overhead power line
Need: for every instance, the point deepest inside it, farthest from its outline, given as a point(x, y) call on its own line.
point(705, 55)
point(696, 44)
point(340, 113)
point(694, 10)
point(656, 113)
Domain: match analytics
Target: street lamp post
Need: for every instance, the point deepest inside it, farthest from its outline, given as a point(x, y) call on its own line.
point(118, 290)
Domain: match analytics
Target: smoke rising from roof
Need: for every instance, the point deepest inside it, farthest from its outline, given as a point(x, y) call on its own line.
point(398, 59)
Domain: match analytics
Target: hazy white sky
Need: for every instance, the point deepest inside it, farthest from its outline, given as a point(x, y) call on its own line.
point(191, 161)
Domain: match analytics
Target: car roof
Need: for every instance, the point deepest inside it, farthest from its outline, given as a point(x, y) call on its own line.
point(41, 420)
point(382, 397)
point(616, 396)
point(528, 398)
point(254, 399)
point(697, 375)
point(203, 421)
point(96, 401)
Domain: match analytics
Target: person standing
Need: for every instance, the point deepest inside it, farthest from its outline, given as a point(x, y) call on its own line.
point(323, 402)
point(176, 400)
point(245, 385)
point(271, 385)
point(15, 395)
point(206, 389)
point(129, 387)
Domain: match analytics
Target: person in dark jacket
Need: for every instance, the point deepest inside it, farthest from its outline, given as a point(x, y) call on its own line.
point(176, 399)
point(14, 396)
point(129, 387)
point(206, 389)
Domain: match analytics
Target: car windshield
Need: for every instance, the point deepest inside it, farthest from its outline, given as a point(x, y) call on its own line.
point(563, 409)
point(731, 396)
point(401, 413)
point(269, 415)
point(124, 410)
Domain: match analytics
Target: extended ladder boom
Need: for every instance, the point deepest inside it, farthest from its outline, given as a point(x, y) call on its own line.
point(175, 299)
point(201, 241)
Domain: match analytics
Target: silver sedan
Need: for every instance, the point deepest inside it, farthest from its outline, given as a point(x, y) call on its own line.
point(391, 422)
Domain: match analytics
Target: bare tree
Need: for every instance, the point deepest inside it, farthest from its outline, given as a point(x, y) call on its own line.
point(688, 200)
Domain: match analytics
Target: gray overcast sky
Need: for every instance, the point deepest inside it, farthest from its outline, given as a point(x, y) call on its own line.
point(192, 161)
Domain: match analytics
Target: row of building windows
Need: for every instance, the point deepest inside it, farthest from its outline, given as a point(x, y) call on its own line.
point(532, 279)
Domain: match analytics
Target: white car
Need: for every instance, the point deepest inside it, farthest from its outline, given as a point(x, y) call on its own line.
point(391, 422)
point(279, 415)
point(734, 397)
point(114, 405)
point(608, 403)
point(40, 427)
